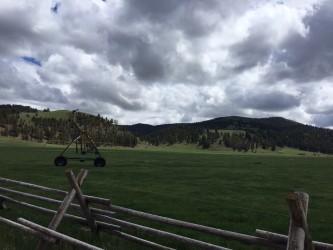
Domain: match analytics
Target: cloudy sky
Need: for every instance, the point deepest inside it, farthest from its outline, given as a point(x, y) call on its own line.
point(168, 61)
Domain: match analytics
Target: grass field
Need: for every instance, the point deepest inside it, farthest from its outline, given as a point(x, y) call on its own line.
point(233, 191)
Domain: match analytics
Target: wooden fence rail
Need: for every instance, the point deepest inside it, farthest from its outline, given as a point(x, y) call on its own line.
point(90, 199)
point(103, 219)
point(26, 229)
point(247, 239)
point(53, 201)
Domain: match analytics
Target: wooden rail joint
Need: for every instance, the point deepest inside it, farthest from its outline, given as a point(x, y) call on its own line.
point(82, 201)
point(73, 191)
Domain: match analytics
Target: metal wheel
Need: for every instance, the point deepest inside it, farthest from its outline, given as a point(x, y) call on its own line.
point(60, 161)
point(99, 162)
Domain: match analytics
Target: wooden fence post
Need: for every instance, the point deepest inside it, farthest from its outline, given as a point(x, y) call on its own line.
point(82, 201)
point(299, 236)
point(63, 207)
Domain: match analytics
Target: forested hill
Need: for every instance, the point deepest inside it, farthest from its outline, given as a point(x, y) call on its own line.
point(240, 133)
point(236, 133)
point(53, 127)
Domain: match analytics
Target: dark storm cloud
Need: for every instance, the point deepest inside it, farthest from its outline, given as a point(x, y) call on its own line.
point(150, 51)
point(267, 101)
point(17, 30)
point(323, 110)
point(136, 53)
point(181, 15)
point(122, 46)
point(308, 58)
point(147, 63)
point(253, 51)
point(151, 59)
point(157, 11)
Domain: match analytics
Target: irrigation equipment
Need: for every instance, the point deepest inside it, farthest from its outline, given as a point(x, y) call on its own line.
point(83, 146)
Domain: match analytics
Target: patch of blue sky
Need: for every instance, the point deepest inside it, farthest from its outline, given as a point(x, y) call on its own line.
point(55, 7)
point(32, 60)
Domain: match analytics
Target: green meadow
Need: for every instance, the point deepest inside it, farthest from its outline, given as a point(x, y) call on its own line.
point(239, 192)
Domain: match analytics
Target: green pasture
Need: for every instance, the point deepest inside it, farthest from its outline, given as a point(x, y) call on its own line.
point(240, 192)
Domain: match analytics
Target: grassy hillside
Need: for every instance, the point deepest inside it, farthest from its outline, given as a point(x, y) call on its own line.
point(232, 191)
point(54, 127)
point(27, 117)
point(58, 114)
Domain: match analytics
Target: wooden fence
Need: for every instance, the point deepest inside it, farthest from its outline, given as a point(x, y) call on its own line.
point(99, 219)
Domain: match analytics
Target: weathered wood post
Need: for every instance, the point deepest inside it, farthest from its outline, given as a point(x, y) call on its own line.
point(299, 236)
point(63, 207)
point(82, 201)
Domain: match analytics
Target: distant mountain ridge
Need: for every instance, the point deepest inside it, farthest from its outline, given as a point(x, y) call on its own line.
point(229, 122)
point(267, 133)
